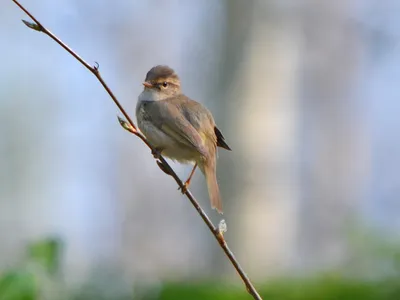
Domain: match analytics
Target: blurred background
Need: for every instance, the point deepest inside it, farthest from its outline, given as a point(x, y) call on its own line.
point(307, 96)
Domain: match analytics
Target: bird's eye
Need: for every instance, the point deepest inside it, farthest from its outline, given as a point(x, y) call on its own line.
point(165, 84)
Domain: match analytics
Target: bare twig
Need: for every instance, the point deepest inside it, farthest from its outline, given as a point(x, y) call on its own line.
point(130, 126)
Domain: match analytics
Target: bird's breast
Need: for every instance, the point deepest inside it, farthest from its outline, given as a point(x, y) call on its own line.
point(171, 148)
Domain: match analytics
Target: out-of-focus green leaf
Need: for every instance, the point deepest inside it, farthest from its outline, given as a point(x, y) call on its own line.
point(47, 253)
point(317, 288)
point(18, 285)
point(200, 291)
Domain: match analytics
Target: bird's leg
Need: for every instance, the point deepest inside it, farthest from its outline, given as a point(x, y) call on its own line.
point(187, 182)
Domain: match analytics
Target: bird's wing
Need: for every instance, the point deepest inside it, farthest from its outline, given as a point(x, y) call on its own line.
point(221, 140)
point(199, 117)
point(202, 120)
point(197, 114)
point(168, 118)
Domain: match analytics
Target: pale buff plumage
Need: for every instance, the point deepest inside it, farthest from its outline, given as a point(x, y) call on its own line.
point(180, 128)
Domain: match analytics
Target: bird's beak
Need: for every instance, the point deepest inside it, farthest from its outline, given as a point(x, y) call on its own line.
point(147, 84)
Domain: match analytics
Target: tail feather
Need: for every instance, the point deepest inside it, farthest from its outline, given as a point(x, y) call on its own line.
point(210, 173)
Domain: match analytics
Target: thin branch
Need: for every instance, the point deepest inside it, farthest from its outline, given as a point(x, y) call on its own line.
point(130, 126)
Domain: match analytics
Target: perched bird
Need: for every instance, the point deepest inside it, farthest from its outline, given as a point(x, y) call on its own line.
point(179, 127)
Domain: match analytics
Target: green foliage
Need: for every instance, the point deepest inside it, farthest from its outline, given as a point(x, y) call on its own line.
point(327, 288)
point(41, 263)
point(18, 285)
point(38, 278)
point(47, 254)
point(322, 288)
point(201, 291)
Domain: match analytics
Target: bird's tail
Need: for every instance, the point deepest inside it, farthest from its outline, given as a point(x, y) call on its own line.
point(210, 172)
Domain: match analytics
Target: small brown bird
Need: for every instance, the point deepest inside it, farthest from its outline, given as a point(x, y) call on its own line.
point(180, 128)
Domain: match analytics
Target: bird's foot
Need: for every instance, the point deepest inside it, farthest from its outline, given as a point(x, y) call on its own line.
point(156, 152)
point(184, 187)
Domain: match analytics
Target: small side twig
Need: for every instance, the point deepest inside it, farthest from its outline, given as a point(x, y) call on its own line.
point(130, 126)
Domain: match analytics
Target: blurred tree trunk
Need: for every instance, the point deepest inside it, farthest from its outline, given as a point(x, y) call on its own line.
point(334, 144)
point(282, 57)
point(260, 80)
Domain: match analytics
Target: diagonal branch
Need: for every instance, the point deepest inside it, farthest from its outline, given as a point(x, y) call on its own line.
point(162, 163)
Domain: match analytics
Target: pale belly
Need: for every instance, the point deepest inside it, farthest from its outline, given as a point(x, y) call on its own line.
point(170, 147)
